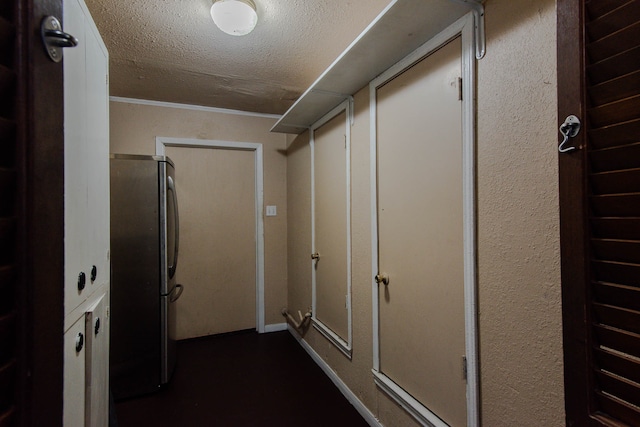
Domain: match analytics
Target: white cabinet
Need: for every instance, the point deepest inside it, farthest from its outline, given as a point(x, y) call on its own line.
point(86, 365)
point(87, 270)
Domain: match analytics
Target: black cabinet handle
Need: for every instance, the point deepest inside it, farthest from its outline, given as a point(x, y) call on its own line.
point(82, 280)
point(79, 342)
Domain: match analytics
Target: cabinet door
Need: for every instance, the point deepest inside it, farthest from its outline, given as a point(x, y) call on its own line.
point(97, 363)
point(75, 167)
point(86, 157)
point(74, 374)
point(97, 156)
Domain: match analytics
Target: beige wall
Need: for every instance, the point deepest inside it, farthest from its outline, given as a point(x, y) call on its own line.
point(520, 327)
point(518, 254)
point(134, 128)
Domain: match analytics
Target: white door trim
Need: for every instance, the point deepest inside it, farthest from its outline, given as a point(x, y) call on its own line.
point(344, 346)
point(163, 142)
point(463, 28)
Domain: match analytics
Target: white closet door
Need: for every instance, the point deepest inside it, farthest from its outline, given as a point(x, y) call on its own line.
point(331, 226)
point(420, 233)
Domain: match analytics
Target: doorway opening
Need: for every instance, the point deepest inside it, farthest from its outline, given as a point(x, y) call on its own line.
point(256, 152)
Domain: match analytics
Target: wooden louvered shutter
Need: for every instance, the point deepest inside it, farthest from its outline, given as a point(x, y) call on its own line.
point(8, 210)
point(599, 81)
point(612, 56)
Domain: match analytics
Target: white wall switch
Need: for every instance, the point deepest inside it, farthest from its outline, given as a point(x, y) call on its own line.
point(271, 211)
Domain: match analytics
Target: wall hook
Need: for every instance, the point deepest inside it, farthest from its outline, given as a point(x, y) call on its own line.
point(569, 129)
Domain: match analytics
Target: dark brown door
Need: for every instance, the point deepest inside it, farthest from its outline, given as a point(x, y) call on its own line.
point(599, 81)
point(31, 219)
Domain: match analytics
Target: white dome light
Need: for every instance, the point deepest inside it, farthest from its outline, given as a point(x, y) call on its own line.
point(235, 17)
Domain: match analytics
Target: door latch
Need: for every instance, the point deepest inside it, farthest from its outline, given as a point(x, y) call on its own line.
point(54, 39)
point(569, 129)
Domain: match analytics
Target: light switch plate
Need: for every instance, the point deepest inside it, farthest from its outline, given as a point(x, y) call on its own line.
point(271, 211)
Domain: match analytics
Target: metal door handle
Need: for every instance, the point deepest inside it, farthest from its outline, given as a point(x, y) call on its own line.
point(172, 187)
point(315, 256)
point(179, 289)
point(382, 278)
point(54, 39)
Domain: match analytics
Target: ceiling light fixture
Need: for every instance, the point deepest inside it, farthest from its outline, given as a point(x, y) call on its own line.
point(235, 17)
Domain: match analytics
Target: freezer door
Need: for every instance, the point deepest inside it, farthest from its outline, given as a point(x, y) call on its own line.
point(168, 304)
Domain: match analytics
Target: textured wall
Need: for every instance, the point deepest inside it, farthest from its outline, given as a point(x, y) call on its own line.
point(134, 129)
point(518, 250)
point(519, 269)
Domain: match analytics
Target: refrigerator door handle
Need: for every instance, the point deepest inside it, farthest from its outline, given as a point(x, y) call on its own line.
point(172, 187)
point(175, 294)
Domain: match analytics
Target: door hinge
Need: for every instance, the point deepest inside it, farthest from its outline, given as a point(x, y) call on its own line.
point(459, 88)
point(464, 367)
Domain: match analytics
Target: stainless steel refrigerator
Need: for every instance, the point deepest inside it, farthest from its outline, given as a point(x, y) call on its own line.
point(144, 258)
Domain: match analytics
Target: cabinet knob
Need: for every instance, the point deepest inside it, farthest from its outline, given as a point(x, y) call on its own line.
point(79, 342)
point(96, 326)
point(82, 280)
point(94, 273)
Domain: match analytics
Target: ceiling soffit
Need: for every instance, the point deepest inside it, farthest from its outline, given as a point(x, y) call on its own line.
point(170, 50)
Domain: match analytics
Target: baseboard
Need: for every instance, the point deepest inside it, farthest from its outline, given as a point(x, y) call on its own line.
point(276, 327)
point(346, 391)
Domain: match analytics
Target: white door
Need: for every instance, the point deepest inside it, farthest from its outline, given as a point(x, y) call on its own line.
point(331, 219)
point(217, 199)
point(420, 233)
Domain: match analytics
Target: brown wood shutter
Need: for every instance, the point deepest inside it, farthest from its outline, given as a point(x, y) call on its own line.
point(8, 209)
point(612, 55)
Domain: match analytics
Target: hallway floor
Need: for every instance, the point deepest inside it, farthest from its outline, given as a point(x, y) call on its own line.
point(243, 379)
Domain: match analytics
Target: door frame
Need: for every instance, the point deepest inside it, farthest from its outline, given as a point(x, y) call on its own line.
point(572, 177)
point(256, 148)
point(463, 28)
point(344, 346)
point(39, 256)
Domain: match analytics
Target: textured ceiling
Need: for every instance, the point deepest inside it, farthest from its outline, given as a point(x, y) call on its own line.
point(170, 50)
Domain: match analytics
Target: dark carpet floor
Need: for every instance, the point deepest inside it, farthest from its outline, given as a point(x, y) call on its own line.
point(242, 379)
